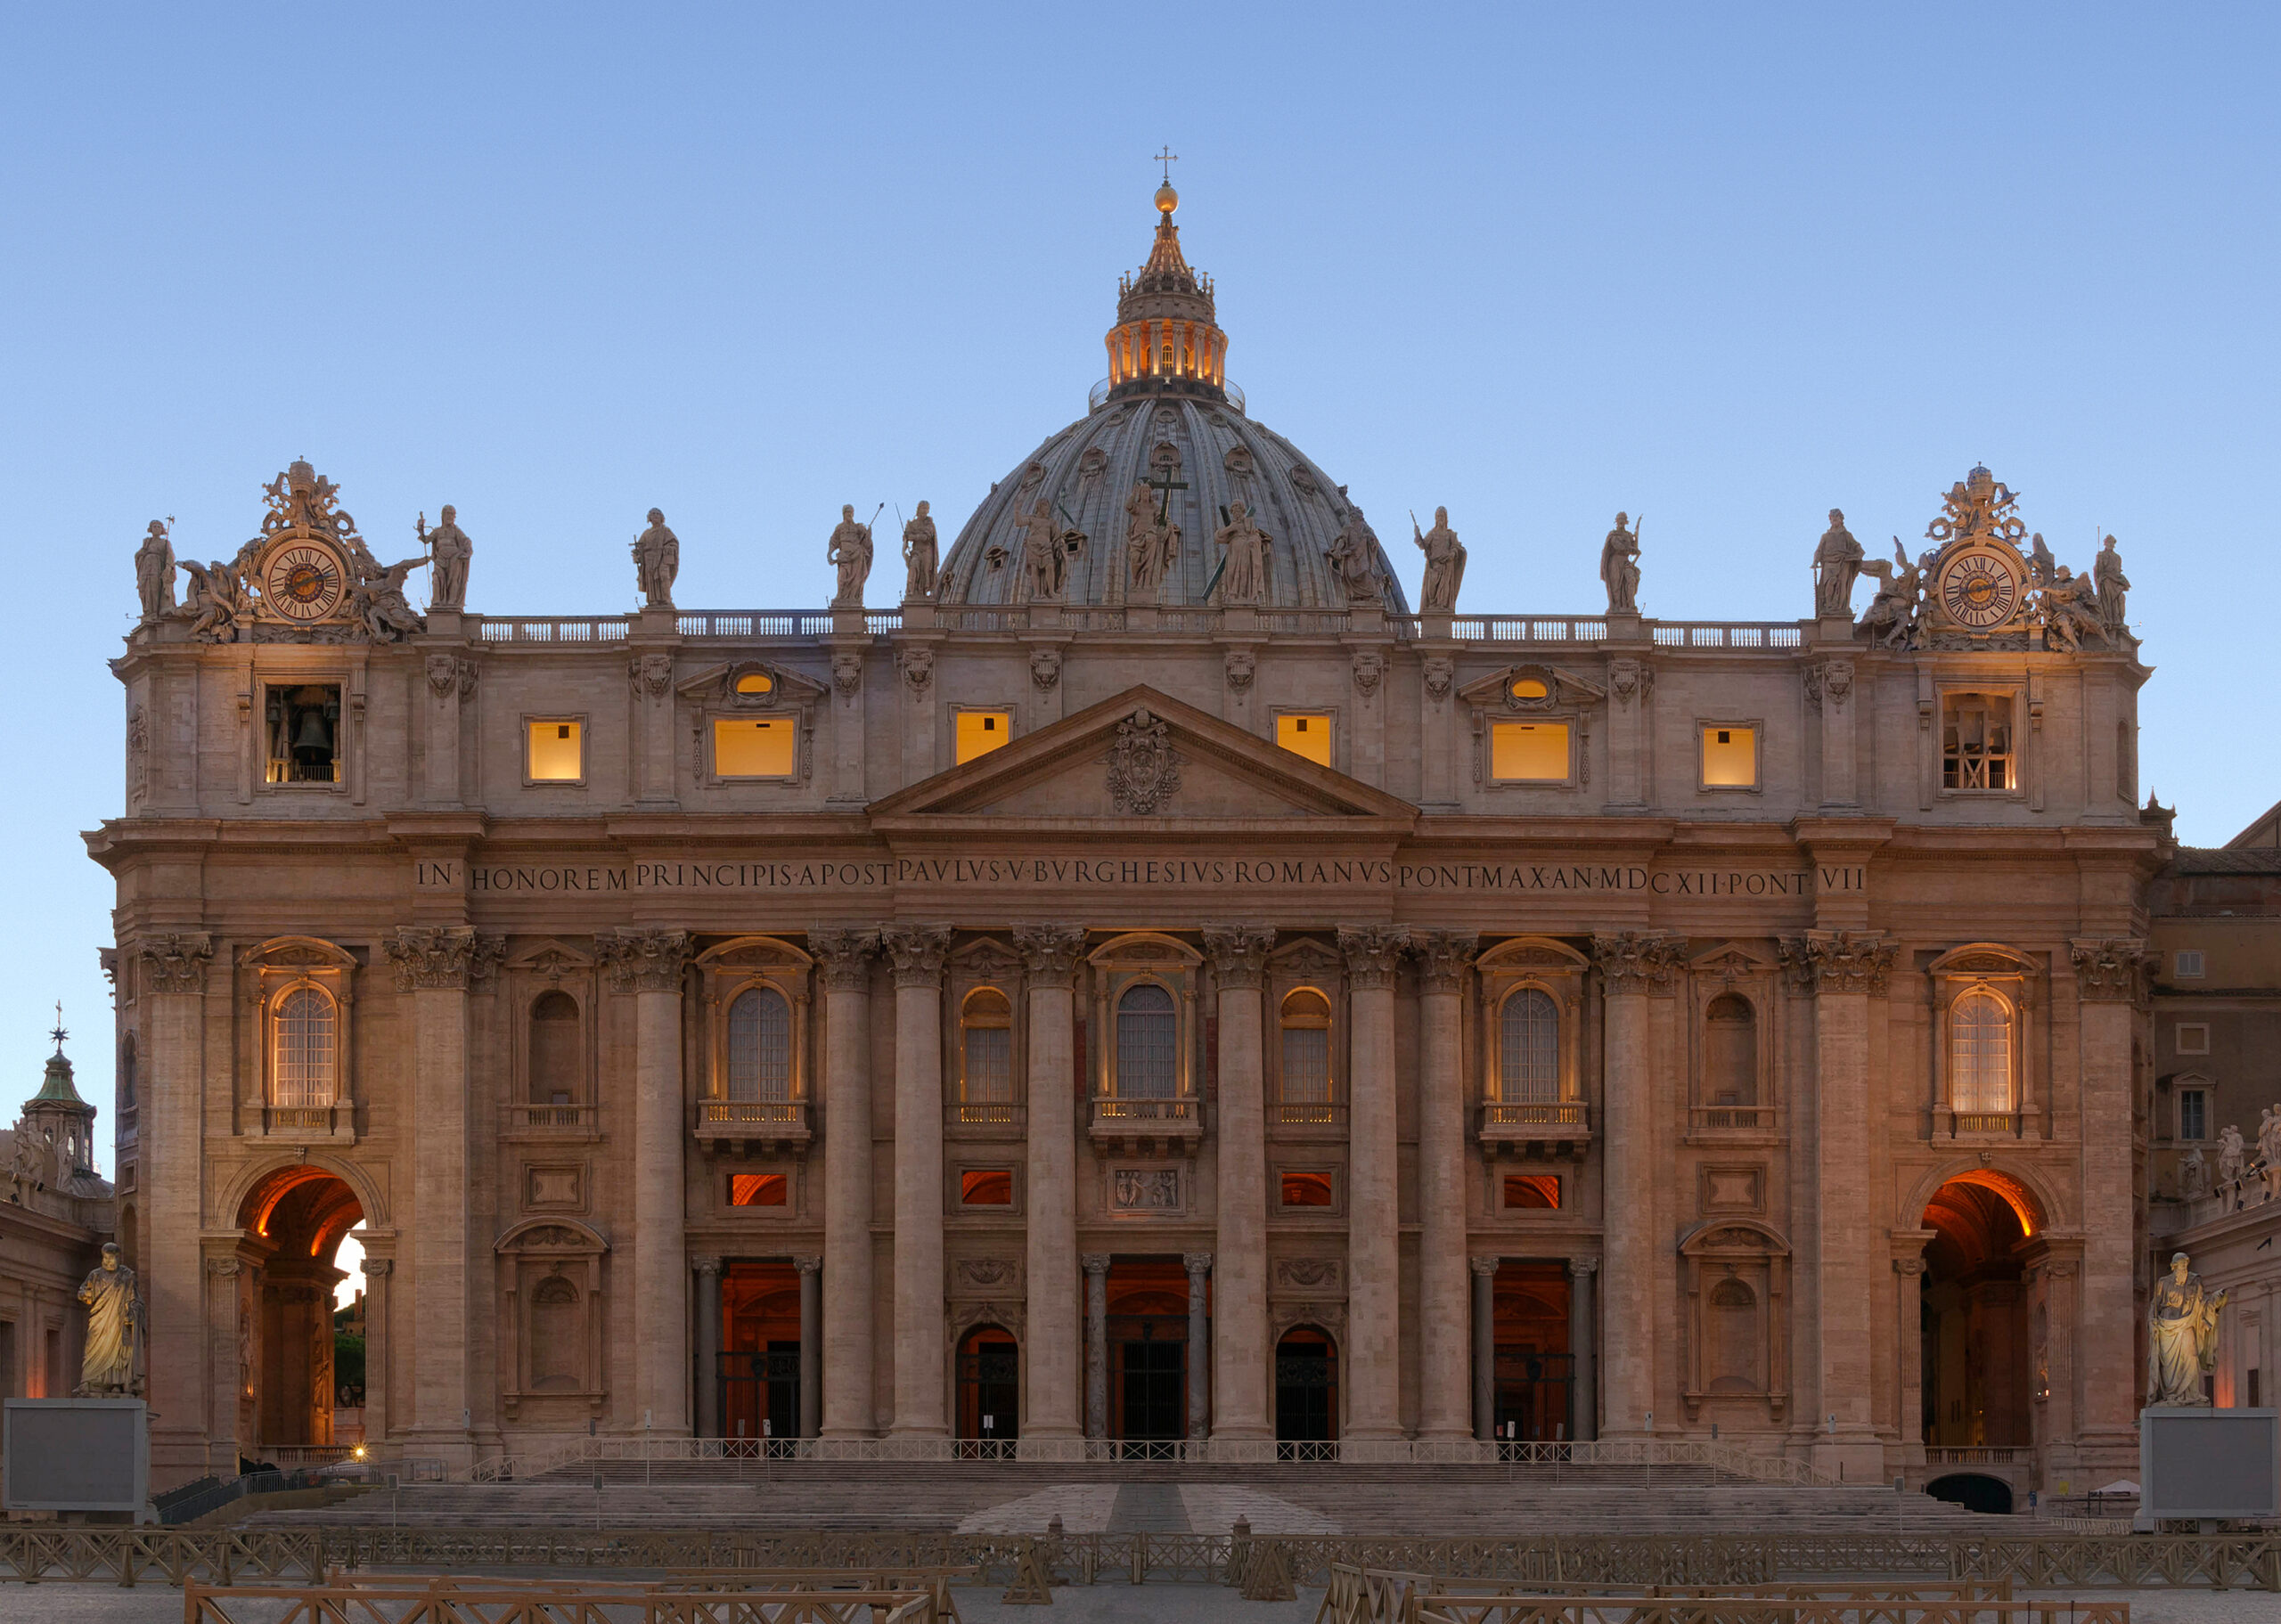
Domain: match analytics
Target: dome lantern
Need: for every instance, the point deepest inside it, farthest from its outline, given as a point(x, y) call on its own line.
point(1167, 338)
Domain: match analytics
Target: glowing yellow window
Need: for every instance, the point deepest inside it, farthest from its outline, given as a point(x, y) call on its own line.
point(756, 683)
point(1730, 757)
point(982, 731)
point(555, 755)
point(1307, 735)
point(1529, 752)
point(753, 748)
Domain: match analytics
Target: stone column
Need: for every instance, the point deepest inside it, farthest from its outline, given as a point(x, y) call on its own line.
point(810, 1343)
point(918, 951)
point(2110, 981)
point(649, 964)
point(850, 1403)
point(171, 971)
point(1049, 1333)
point(1373, 1372)
point(1240, 1356)
point(709, 1346)
point(433, 965)
point(1198, 1265)
point(1843, 970)
point(1444, 958)
point(1583, 1343)
point(378, 1346)
point(1631, 965)
point(1909, 1327)
point(1096, 1265)
point(1484, 1345)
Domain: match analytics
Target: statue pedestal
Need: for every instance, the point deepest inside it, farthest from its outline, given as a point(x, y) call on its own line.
point(656, 620)
point(2204, 1464)
point(79, 1455)
point(1140, 616)
point(444, 623)
point(1624, 626)
point(1833, 629)
point(848, 620)
point(918, 614)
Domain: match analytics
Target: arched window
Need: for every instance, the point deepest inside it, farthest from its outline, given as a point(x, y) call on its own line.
point(760, 1047)
point(303, 1032)
point(554, 1049)
point(1528, 1049)
point(1729, 1051)
point(126, 1079)
point(1147, 1028)
point(986, 1057)
point(1306, 1056)
point(1734, 1338)
point(1979, 1054)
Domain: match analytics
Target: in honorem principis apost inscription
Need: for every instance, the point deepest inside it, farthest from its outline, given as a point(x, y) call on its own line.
point(829, 876)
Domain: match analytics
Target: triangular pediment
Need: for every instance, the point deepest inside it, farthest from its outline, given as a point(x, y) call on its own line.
point(1143, 757)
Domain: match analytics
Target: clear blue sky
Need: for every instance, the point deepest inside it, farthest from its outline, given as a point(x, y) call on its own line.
point(1727, 265)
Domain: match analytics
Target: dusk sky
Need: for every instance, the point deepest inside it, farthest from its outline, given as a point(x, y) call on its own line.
point(1726, 267)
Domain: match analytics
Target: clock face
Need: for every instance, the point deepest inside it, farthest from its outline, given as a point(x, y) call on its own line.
point(303, 581)
point(1980, 589)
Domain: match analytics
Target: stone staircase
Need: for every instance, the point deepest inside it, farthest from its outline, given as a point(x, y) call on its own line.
point(1021, 1496)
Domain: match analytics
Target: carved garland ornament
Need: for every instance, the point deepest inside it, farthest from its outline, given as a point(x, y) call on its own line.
point(1241, 664)
point(1440, 671)
point(1370, 667)
point(645, 960)
point(448, 673)
point(432, 957)
point(1143, 767)
point(847, 674)
point(918, 668)
point(1629, 680)
point(651, 674)
point(1045, 668)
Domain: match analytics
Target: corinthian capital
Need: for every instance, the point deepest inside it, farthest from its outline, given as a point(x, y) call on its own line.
point(1444, 957)
point(427, 957)
point(176, 961)
point(1238, 953)
point(645, 960)
point(1373, 952)
point(917, 952)
point(1636, 961)
point(2109, 970)
point(843, 955)
point(1837, 961)
point(1049, 953)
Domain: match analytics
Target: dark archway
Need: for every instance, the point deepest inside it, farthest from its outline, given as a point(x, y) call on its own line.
point(1148, 1349)
point(760, 1351)
point(1974, 1492)
point(298, 1217)
point(1975, 1314)
point(1306, 1390)
point(1535, 1373)
point(990, 1388)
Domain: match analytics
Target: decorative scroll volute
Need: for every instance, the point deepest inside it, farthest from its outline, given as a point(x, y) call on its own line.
point(646, 960)
point(1049, 953)
point(843, 955)
point(430, 958)
point(2109, 970)
point(1372, 952)
point(1443, 958)
point(1238, 953)
point(176, 962)
point(1837, 961)
point(1637, 961)
point(916, 952)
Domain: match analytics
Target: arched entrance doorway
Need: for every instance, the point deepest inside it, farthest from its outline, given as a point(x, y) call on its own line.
point(760, 1351)
point(1974, 1492)
point(1535, 1373)
point(1148, 1349)
point(1973, 1313)
point(1306, 1390)
point(990, 1390)
point(295, 1219)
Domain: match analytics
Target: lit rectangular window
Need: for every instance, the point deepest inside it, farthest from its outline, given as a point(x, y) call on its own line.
point(555, 752)
point(1529, 752)
point(758, 1189)
point(2192, 1038)
point(2194, 1113)
point(1306, 1189)
point(753, 748)
point(986, 1187)
point(2189, 964)
point(1538, 1190)
point(1976, 743)
point(1306, 735)
point(982, 731)
point(1730, 757)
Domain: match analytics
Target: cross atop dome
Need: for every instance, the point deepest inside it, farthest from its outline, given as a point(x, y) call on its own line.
point(1167, 338)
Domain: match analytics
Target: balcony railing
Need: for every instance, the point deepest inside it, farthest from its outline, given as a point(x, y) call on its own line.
point(986, 1113)
point(1977, 1455)
point(1137, 1123)
point(1728, 635)
point(1731, 1118)
point(334, 1121)
point(742, 1112)
point(1535, 1114)
point(545, 1117)
point(1554, 1128)
point(1309, 1112)
point(1985, 1121)
point(1178, 1108)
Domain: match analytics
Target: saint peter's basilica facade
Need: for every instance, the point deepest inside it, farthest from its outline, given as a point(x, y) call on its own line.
point(1152, 989)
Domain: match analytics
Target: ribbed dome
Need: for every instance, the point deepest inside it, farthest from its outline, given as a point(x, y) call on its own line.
point(1164, 417)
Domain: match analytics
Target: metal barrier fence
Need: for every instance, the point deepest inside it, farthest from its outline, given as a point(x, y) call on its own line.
point(220, 1555)
point(549, 1601)
point(1369, 1595)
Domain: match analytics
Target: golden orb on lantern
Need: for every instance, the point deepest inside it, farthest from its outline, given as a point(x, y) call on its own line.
point(1168, 199)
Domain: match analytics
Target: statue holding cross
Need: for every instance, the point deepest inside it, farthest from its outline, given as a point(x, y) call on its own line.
point(1151, 540)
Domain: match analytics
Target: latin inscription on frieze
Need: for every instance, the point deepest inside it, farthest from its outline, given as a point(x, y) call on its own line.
point(1263, 873)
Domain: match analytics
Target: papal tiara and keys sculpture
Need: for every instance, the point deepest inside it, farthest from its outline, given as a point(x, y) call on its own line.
point(1152, 934)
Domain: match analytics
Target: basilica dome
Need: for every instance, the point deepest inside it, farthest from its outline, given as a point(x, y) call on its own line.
point(1165, 419)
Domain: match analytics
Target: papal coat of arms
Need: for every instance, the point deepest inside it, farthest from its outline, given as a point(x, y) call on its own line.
point(1143, 768)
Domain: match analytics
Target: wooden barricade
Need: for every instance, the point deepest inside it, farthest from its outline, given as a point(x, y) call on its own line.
point(936, 1581)
point(454, 1600)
